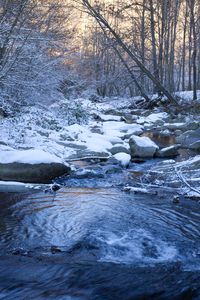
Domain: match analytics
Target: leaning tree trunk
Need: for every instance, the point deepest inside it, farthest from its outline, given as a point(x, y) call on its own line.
point(101, 20)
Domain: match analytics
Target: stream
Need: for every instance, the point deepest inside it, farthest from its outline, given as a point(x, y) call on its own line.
point(90, 240)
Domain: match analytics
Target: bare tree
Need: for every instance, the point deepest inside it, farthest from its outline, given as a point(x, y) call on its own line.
point(101, 20)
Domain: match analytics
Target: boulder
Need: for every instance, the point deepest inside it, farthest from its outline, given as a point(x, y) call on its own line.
point(118, 148)
point(195, 146)
point(170, 151)
point(192, 125)
point(128, 118)
point(188, 138)
point(142, 147)
point(32, 166)
point(32, 173)
point(123, 158)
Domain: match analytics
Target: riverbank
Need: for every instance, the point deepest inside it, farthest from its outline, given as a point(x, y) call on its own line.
point(115, 133)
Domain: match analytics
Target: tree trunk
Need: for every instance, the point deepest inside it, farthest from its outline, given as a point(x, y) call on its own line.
point(101, 20)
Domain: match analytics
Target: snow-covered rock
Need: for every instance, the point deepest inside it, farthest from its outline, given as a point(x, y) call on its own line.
point(117, 148)
point(123, 158)
point(121, 129)
point(153, 118)
point(183, 126)
point(188, 138)
point(142, 147)
point(32, 156)
point(170, 151)
point(19, 187)
point(184, 175)
point(32, 166)
point(195, 145)
point(109, 117)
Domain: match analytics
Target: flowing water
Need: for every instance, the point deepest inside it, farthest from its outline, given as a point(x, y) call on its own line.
point(98, 243)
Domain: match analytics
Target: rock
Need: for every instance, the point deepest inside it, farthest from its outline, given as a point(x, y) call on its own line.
point(170, 151)
point(89, 155)
point(118, 148)
point(195, 146)
point(32, 173)
point(142, 147)
point(128, 135)
point(96, 129)
point(169, 174)
point(166, 163)
point(106, 117)
point(88, 173)
point(165, 133)
point(123, 158)
point(66, 137)
point(137, 160)
point(176, 199)
point(178, 132)
point(160, 122)
point(43, 133)
point(188, 138)
point(3, 114)
point(128, 118)
point(110, 169)
point(193, 125)
point(94, 98)
point(55, 249)
point(55, 187)
point(32, 166)
point(19, 187)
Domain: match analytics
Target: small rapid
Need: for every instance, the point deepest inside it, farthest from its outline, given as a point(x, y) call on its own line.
point(98, 243)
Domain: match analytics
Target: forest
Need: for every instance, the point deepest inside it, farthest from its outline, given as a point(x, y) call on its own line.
point(48, 46)
point(100, 149)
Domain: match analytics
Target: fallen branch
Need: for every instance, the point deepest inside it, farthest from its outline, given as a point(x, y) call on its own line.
point(183, 180)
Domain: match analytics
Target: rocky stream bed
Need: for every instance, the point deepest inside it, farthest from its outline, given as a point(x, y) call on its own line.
point(123, 223)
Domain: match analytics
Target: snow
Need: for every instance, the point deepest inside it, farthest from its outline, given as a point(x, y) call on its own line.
point(28, 157)
point(15, 187)
point(12, 183)
point(187, 95)
point(109, 117)
point(47, 131)
point(153, 118)
point(123, 158)
point(136, 190)
point(144, 141)
point(118, 129)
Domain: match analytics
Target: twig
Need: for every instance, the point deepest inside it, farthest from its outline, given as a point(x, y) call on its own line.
point(180, 176)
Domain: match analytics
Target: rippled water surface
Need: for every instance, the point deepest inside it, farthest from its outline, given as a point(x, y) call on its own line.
point(100, 243)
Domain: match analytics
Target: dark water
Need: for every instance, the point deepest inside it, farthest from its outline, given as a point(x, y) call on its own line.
point(87, 243)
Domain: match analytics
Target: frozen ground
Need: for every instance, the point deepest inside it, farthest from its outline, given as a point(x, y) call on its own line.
point(48, 129)
point(64, 133)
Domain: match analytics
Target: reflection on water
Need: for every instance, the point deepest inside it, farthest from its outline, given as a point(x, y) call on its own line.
point(98, 244)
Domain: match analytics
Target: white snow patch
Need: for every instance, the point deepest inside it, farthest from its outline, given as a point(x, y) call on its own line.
point(109, 117)
point(28, 156)
point(136, 190)
point(117, 129)
point(8, 183)
point(144, 141)
point(153, 118)
point(123, 158)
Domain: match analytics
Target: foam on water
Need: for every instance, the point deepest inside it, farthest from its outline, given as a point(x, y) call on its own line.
point(136, 246)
